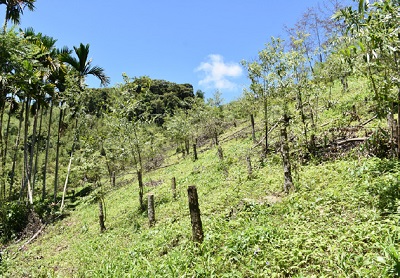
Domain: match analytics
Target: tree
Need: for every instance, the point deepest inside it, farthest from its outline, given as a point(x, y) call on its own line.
point(212, 118)
point(298, 63)
point(14, 10)
point(375, 29)
point(81, 65)
point(24, 75)
point(179, 129)
point(319, 27)
point(263, 76)
point(13, 53)
point(157, 98)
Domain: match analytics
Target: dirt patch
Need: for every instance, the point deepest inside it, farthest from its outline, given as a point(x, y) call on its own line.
point(152, 183)
point(272, 199)
point(248, 204)
point(33, 226)
point(266, 200)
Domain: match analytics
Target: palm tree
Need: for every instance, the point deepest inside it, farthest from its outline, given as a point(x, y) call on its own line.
point(45, 66)
point(59, 79)
point(14, 10)
point(83, 68)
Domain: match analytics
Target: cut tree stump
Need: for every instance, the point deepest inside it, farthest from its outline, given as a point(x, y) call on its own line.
point(150, 209)
point(173, 187)
point(197, 227)
point(101, 216)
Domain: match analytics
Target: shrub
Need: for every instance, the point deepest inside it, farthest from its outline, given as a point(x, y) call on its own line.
point(13, 219)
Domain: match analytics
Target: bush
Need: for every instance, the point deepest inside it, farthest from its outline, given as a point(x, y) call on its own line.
point(13, 219)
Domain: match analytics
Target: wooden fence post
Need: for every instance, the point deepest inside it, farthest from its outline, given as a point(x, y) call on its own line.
point(150, 209)
point(287, 168)
point(101, 216)
point(173, 187)
point(197, 228)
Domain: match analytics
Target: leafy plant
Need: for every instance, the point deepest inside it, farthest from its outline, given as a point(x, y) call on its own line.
point(13, 219)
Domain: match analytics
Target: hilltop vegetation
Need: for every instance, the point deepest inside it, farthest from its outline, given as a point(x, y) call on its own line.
point(299, 177)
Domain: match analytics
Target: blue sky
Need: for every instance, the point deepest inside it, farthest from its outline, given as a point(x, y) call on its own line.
point(192, 41)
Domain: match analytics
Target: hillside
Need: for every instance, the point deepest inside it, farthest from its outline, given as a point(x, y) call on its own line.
point(299, 177)
point(340, 220)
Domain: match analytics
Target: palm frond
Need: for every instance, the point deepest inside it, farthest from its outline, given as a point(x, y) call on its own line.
point(66, 57)
point(15, 8)
point(82, 52)
point(64, 50)
point(100, 74)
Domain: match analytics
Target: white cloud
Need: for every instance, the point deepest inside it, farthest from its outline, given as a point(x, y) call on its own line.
point(217, 73)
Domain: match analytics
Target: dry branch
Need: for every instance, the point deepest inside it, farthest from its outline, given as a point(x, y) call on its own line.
point(359, 139)
point(32, 238)
point(269, 131)
point(370, 120)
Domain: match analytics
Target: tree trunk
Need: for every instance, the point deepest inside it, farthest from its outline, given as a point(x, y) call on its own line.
point(197, 227)
point(46, 159)
point(72, 152)
point(398, 124)
point(253, 129)
point(5, 24)
point(6, 137)
point(33, 144)
point(195, 152)
point(138, 151)
point(66, 183)
point(2, 108)
point(57, 156)
point(37, 151)
point(14, 163)
point(187, 146)
point(303, 119)
point(3, 181)
point(70, 162)
point(140, 182)
point(25, 172)
point(266, 126)
point(216, 137)
point(287, 172)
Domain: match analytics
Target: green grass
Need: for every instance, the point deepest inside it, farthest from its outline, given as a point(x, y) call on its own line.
point(341, 221)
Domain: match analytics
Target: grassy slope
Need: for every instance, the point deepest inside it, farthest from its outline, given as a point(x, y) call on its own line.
point(339, 222)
